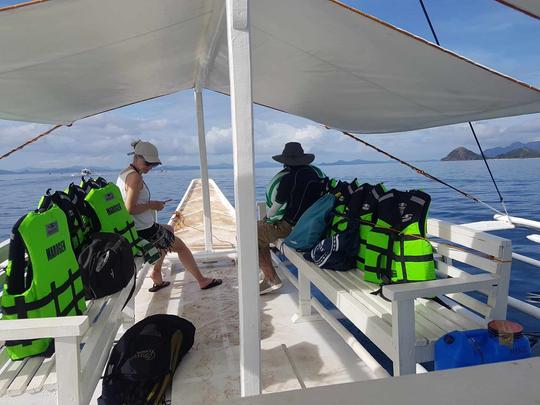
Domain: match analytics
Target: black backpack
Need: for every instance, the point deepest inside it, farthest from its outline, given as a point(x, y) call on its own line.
point(106, 264)
point(143, 362)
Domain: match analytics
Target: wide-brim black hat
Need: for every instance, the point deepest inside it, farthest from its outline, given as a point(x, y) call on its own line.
point(293, 155)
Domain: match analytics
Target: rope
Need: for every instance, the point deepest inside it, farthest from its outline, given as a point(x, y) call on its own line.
point(5, 155)
point(423, 173)
point(489, 170)
point(501, 200)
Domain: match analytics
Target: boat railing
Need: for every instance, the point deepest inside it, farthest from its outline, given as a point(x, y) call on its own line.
point(518, 222)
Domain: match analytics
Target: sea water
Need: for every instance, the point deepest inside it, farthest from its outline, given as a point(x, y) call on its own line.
point(517, 179)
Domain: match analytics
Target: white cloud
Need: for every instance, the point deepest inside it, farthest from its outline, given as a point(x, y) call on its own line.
point(219, 141)
point(105, 139)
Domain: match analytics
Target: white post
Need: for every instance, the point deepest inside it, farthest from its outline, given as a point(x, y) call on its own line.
point(68, 369)
point(404, 337)
point(244, 194)
point(204, 171)
point(304, 299)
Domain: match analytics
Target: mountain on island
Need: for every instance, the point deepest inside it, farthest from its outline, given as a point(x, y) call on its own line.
point(495, 152)
point(349, 162)
point(517, 150)
point(461, 153)
point(520, 153)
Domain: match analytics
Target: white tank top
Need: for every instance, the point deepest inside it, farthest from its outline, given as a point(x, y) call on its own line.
point(146, 218)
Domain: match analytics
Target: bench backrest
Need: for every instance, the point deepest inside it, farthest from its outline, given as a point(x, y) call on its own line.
point(460, 252)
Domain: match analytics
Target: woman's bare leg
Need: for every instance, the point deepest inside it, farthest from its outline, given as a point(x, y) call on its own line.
point(155, 273)
point(186, 258)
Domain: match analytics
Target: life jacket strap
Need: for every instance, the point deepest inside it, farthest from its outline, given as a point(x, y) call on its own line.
point(129, 228)
point(21, 308)
point(380, 293)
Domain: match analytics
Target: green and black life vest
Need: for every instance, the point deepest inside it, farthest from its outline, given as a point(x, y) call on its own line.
point(358, 213)
point(77, 196)
point(397, 249)
point(364, 209)
point(343, 192)
point(110, 211)
point(47, 283)
point(78, 229)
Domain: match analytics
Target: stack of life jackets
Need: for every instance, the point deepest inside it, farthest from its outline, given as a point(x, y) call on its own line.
point(396, 246)
point(46, 283)
point(358, 215)
point(391, 241)
point(43, 275)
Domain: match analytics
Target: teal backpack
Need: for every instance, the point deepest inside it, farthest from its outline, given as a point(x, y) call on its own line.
point(312, 225)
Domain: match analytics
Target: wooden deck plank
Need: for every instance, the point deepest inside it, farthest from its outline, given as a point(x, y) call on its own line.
point(41, 375)
point(19, 384)
point(9, 373)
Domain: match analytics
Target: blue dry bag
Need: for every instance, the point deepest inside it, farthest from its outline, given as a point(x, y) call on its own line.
point(312, 225)
point(337, 252)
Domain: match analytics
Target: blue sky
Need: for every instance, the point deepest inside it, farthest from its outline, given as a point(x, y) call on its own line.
point(482, 30)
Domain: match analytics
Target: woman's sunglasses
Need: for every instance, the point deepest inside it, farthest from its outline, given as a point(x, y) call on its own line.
point(150, 164)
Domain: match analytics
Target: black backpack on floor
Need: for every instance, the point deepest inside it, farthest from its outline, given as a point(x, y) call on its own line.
point(143, 362)
point(106, 263)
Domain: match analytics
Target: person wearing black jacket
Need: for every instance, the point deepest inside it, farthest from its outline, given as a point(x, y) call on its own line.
point(298, 188)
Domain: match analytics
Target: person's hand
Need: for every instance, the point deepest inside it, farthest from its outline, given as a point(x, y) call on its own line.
point(156, 205)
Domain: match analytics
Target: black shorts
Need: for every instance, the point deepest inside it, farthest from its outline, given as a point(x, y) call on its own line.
point(159, 236)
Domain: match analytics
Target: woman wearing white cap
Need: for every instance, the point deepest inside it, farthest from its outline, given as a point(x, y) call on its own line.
point(137, 198)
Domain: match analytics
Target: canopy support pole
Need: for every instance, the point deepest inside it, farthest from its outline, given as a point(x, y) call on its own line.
point(239, 47)
point(204, 171)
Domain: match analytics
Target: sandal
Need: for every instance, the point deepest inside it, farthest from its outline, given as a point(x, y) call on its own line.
point(157, 287)
point(214, 283)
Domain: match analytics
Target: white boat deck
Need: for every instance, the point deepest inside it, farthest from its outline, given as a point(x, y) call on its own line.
point(294, 355)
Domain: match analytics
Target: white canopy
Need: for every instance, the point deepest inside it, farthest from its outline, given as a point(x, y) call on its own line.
point(530, 7)
point(62, 60)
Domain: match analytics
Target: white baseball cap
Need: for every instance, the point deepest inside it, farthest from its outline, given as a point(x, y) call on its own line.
point(147, 150)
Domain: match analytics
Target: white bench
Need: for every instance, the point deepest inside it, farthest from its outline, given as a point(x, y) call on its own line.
point(82, 347)
point(407, 327)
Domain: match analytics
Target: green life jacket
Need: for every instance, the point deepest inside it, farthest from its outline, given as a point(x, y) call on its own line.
point(365, 209)
point(77, 195)
point(271, 193)
point(47, 283)
point(110, 211)
point(344, 191)
point(77, 227)
point(358, 213)
point(397, 249)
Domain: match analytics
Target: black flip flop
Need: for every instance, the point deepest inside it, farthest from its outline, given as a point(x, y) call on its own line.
point(157, 287)
point(214, 283)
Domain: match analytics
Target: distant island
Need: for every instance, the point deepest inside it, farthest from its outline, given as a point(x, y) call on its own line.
point(517, 150)
point(265, 164)
point(349, 162)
